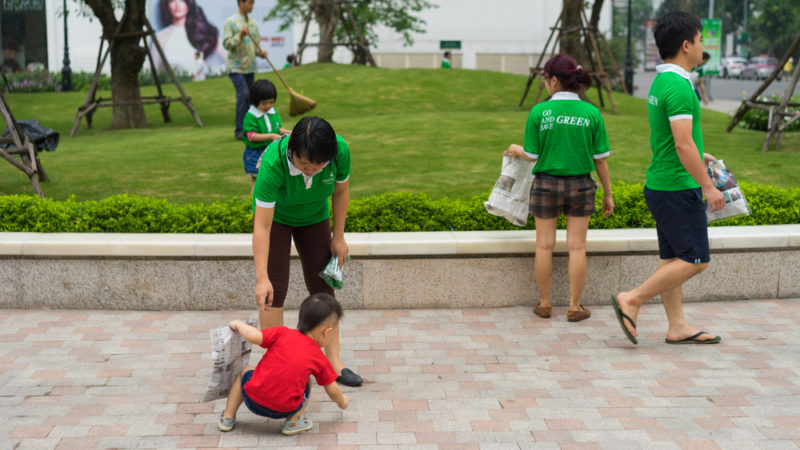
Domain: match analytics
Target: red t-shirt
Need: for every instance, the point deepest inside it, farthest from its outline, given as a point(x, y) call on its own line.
point(280, 378)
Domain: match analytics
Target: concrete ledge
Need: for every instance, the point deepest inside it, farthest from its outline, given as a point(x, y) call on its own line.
point(387, 270)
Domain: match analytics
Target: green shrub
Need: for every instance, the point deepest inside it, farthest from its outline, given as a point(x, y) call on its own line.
point(38, 80)
point(757, 119)
point(395, 211)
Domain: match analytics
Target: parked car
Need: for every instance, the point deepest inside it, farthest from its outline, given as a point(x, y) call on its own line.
point(732, 66)
point(760, 67)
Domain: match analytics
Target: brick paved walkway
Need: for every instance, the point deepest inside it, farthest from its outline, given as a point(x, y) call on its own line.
point(499, 378)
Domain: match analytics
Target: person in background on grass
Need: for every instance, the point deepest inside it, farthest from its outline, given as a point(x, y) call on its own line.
point(241, 40)
point(699, 77)
point(262, 126)
point(677, 180)
point(446, 61)
point(289, 61)
point(567, 138)
point(202, 68)
point(279, 386)
point(298, 176)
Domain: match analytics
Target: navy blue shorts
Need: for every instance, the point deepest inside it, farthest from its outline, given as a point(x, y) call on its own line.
point(681, 224)
point(259, 410)
point(250, 159)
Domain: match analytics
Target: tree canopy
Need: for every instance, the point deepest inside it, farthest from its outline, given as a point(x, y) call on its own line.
point(367, 14)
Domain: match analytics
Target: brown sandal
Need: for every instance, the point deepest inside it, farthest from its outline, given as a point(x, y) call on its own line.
point(543, 311)
point(577, 316)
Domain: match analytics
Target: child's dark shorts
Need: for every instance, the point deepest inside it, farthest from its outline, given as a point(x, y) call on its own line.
point(250, 158)
point(259, 410)
point(681, 224)
point(574, 195)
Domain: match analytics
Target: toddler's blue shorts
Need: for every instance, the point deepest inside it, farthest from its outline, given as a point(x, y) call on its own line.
point(250, 158)
point(259, 410)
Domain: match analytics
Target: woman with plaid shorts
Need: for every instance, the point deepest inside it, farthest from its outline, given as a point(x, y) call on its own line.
point(567, 138)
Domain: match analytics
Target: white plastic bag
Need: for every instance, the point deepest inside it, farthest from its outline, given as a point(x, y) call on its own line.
point(511, 195)
point(332, 274)
point(230, 353)
point(735, 204)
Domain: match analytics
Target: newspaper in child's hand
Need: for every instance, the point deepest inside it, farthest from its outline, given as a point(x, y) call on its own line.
point(230, 353)
point(735, 204)
point(511, 195)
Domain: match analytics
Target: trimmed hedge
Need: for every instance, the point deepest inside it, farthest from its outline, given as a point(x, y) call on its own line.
point(396, 211)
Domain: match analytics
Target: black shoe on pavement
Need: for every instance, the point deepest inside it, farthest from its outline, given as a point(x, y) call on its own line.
point(349, 378)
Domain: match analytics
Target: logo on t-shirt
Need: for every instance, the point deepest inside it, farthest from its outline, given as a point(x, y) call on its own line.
point(653, 100)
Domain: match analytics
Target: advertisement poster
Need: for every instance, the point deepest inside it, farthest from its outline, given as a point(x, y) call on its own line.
point(185, 27)
point(712, 43)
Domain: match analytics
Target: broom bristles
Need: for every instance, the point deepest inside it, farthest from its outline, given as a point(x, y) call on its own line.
point(300, 104)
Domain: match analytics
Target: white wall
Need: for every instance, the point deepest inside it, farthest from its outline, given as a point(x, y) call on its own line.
point(84, 38)
point(501, 26)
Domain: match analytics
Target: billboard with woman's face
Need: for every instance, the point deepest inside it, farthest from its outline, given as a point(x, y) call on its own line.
point(191, 31)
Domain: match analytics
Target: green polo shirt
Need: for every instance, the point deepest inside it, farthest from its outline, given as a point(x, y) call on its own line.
point(298, 201)
point(262, 123)
point(565, 135)
point(671, 98)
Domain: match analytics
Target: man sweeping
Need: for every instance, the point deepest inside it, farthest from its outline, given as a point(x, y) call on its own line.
point(241, 40)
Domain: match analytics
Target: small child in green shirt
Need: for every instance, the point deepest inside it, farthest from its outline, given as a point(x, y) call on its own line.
point(262, 126)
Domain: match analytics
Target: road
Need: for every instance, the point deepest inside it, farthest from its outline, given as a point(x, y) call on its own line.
point(721, 89)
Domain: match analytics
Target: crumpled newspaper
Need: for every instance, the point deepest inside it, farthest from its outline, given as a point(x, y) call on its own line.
point(332, 274)
point(735, 203)
point(230, 353)
point(511, 195)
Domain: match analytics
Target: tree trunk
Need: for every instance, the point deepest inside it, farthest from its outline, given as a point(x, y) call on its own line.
point(327, 13)
point(359, 56)
point(571, 33)
point(127, 58)
point(595, 20)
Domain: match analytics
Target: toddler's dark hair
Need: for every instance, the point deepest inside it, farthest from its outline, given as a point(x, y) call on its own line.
point(262, 90)
point(313, 138)
point(571, 76)
point(315, 309)
point(672, 30)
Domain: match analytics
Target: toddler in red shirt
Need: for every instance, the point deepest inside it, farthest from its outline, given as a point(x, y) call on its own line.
point(279, 386)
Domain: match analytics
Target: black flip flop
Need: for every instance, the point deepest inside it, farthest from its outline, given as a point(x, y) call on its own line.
point(620, 316)
point(694, 340)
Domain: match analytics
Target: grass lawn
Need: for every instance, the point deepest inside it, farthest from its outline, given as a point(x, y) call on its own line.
point(435, 131)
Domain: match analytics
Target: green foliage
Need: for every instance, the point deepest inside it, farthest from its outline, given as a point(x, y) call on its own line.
point(381, 213)
point(757, 119)
point(38, 80)
point(122, 214)
point(146, 77)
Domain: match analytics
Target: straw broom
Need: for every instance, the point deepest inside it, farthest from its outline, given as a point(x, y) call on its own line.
point(298, 104)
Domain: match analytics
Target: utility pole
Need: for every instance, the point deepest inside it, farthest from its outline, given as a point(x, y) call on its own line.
point(66, 72)
point(628, 56)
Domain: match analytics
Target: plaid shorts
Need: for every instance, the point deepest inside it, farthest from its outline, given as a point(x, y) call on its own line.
point(573, 195)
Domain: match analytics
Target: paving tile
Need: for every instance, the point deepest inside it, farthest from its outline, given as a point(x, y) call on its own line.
point(481, 378)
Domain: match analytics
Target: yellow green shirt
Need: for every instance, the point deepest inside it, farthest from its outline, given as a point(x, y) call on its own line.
point(565, 135)
point(671, 98)
point(241, 49)
point(298, 200)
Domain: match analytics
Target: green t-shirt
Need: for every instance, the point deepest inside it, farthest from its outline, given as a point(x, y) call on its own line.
point(262, 123)
point(565, 135)
point(445, 64)
point(671, 98)
point(298, 201)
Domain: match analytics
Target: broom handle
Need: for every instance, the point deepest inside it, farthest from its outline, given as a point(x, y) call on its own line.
point(273, 67)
